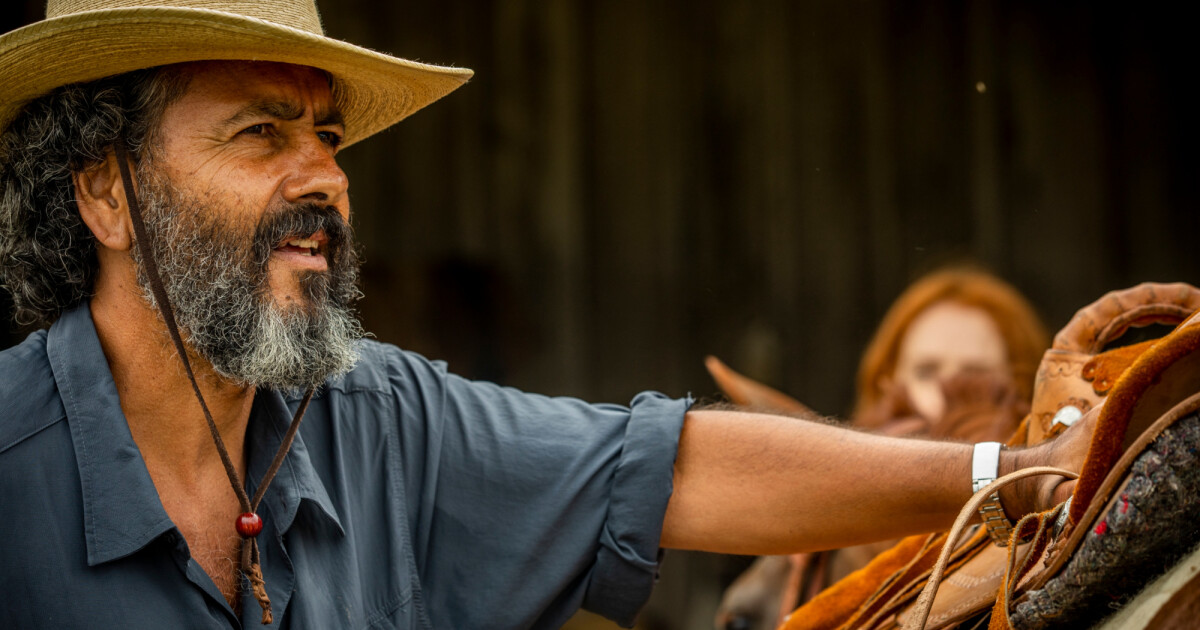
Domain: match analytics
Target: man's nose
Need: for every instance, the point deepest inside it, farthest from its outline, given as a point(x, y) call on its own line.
point(316, 176)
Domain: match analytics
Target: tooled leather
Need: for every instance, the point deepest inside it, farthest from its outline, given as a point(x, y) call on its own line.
point(1075, 371)
point(965, 554)
point(966, 591)
point(900, 590)
point(1059, 382)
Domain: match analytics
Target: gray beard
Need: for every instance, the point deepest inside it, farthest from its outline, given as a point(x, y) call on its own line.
point(215, 276)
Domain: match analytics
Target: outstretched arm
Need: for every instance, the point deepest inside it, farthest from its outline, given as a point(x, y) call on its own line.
point(750, 483)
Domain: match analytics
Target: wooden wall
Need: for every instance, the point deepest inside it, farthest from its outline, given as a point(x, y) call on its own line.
point(627, 186)
point(631, 185)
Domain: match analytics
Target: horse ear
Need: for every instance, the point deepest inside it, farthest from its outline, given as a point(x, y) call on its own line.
point(748, 392)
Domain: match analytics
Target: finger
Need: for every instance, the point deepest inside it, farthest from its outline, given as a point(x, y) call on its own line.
point(1079, 434)
point(1062, 491)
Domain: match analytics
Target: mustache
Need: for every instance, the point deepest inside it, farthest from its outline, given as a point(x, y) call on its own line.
point(301, 220)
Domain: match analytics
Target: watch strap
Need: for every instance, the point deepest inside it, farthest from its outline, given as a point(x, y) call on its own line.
point(985, 467)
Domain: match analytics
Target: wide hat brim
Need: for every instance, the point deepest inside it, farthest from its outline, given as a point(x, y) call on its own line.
point(372, 90)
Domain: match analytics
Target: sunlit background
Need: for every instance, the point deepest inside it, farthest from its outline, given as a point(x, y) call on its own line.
point(627, 186)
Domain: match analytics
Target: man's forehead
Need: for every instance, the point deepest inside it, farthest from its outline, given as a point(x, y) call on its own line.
point(227, 87)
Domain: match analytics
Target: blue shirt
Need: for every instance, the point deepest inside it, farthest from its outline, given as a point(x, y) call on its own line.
point(412, 498)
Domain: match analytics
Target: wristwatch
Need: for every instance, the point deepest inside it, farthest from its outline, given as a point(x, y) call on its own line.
point(985, 466)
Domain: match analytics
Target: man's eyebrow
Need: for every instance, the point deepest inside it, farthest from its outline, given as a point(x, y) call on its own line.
point(281, 110)
point(329, 116)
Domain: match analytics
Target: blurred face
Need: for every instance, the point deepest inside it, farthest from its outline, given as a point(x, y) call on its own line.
point(944, 340)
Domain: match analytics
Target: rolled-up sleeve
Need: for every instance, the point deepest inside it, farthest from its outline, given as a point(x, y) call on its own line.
point(627, 561)
point(526, 507)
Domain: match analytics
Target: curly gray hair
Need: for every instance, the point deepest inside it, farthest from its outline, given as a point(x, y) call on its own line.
point(47, 254)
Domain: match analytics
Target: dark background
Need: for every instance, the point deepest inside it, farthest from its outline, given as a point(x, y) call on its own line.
point(627, 186)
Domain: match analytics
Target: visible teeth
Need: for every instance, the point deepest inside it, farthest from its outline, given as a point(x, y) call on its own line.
point(303, 242)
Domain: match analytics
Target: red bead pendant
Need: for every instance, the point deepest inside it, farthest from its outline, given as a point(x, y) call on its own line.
point(249, 525)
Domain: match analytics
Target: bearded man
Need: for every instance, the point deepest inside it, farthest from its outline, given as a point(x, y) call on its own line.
point(172, 210)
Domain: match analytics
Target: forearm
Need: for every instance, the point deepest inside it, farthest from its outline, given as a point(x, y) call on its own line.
point(760, 484)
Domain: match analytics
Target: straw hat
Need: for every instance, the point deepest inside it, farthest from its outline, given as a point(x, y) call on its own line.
point(84, 40)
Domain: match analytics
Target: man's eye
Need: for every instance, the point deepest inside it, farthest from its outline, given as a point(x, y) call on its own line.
point(255, 130)
point(331, 138)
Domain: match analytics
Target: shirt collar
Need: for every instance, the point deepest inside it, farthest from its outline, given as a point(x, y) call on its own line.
point(297, 479)
point(121, 509)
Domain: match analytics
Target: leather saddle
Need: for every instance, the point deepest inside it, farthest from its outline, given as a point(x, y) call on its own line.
point(1132, 512)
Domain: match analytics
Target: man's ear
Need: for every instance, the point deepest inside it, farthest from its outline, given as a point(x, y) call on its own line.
point(100, 196)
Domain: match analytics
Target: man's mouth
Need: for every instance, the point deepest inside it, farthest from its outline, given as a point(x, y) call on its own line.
point(302, 246)
point(307, 251)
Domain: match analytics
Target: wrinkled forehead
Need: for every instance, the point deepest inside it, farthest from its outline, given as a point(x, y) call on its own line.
point(217, 90)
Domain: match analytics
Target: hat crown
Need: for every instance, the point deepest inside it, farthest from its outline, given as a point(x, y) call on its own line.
point(298, 14)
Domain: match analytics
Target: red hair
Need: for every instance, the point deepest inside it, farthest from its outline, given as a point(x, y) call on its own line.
point(1025, 337)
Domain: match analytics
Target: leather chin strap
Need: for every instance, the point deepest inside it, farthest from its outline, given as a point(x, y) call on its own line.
point(250, 559)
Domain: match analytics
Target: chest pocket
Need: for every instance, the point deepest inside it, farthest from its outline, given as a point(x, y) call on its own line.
point(354, 564)
point(365, 579)
point(355, 569)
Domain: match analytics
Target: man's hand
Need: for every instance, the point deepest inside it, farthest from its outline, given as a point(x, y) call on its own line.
point(1067, 451)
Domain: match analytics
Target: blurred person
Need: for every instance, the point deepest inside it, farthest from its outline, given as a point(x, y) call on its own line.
point(953, 358)
point(952, 322)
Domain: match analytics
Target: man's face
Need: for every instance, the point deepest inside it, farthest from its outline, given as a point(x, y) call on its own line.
point(247, 213)
point(248, 137)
